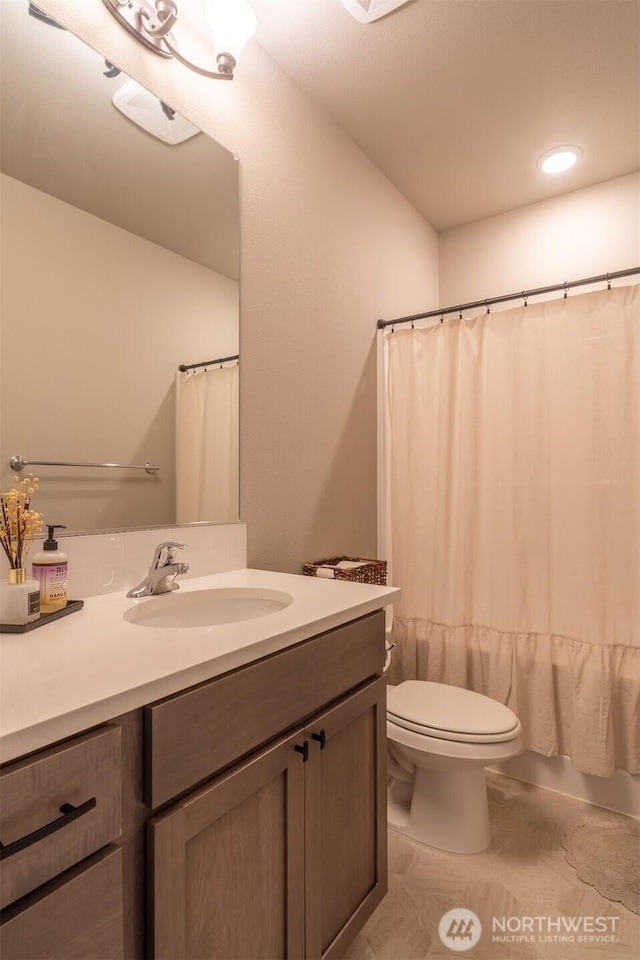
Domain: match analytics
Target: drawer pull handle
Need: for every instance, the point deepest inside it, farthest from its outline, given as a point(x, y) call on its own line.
point(321, 738)
point(304, 750)
point(69, 813)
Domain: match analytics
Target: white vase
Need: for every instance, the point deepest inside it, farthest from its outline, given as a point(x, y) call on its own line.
point(19, 598)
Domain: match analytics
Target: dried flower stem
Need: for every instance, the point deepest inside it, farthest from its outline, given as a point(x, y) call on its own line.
point(18, 522)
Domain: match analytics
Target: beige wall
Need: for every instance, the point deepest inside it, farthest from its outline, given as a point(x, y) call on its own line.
point(580, 234)
point(99, 320)
point(328, 245)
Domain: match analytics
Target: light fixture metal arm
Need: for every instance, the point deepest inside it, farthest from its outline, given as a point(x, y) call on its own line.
point(158, 22)
point(224, 60)
point(152, 26)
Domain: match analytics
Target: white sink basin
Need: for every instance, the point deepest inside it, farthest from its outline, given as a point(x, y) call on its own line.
point(206, 608)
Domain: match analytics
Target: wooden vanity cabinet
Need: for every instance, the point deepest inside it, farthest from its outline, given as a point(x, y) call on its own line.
point(249, 814)
point(194, 734)
point(283, 857)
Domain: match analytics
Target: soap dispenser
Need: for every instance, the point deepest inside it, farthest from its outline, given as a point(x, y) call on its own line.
point(50, 567)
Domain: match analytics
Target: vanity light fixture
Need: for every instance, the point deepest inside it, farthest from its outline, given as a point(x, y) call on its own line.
point(559, 159)
point(232, 23)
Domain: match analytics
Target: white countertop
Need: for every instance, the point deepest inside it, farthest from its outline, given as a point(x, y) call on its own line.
point(92, 666)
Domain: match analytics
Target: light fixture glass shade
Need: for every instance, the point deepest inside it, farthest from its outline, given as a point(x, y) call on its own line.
point(232, 23)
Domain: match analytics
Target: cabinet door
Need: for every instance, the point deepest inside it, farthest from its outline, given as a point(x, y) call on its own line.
point(228, 864)
point(345, 820)
point(77, 916)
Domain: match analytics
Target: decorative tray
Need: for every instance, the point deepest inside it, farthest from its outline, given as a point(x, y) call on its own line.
point(71, 607)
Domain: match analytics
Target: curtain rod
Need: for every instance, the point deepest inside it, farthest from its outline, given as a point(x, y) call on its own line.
point(206, 363)
point(523, 295)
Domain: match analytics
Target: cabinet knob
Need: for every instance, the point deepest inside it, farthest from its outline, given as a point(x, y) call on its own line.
point(321, 738)
point(303, 749)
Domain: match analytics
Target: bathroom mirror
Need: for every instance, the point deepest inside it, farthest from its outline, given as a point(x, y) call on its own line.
point(120, 262)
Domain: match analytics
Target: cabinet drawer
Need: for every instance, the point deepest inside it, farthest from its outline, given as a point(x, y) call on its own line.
point(343, 659)
point(76, 916)
point(54, 790)
point(191, 736)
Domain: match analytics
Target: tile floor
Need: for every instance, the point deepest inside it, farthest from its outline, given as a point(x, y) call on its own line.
point(523, 874)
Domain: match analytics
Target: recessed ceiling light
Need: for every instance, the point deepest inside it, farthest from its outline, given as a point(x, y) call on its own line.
point(559, 159)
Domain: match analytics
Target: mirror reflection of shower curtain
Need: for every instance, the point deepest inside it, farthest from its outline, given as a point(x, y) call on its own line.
point(207, 454)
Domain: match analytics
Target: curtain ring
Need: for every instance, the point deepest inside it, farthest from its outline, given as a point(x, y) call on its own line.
point(525, 298)
point(442, 317)
point(413, 326)
point(608, 282)
point(460, 314)
point(566, 290)
point(488, 308)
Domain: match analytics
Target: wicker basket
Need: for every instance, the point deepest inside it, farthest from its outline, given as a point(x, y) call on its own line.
point(368, 571)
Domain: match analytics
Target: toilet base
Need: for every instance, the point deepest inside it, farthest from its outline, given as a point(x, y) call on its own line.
point(446, 809)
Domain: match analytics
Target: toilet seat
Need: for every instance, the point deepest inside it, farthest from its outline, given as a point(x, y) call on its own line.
point(445, 712)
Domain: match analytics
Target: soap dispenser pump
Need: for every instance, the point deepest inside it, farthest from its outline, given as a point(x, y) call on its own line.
point(50, 568)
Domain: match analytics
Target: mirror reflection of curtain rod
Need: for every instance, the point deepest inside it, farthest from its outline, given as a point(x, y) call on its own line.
point(206, 363)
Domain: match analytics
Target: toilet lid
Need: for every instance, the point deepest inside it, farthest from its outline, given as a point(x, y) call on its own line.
point(439, 709)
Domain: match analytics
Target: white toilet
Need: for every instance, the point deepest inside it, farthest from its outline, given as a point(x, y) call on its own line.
point(449, 735)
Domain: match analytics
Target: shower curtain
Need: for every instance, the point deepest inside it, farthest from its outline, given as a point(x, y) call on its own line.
point(207, 444)
point(515, 517)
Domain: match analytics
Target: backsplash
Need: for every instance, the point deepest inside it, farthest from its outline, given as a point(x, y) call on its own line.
point(113, 562)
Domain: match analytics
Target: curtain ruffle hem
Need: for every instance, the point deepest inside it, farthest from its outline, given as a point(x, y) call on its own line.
point(574, 698)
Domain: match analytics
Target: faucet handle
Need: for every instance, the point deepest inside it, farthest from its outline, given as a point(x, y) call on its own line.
point(165, 553)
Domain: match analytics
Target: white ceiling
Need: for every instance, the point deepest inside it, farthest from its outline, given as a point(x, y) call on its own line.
point(454, 100)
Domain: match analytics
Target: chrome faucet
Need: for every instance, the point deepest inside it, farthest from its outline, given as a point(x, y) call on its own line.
point(162, 572)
